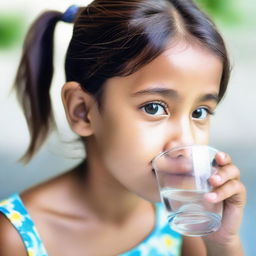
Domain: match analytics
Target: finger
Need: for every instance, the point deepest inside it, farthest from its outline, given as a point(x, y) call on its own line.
point(224, 174)
point(232, 189)
point(223, 158)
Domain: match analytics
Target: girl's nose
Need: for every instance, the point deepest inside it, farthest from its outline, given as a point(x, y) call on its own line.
point(181, 133)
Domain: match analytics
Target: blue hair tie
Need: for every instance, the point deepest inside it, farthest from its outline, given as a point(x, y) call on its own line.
point(70, 14)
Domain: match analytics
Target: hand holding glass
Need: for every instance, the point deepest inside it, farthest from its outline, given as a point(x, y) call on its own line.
point(182, 174)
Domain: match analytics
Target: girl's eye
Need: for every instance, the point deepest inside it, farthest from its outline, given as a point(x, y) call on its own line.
point(201, 113)
point(155, 109)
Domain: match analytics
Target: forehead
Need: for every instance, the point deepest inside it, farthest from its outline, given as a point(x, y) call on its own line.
point(182, 63)
point(183, 67)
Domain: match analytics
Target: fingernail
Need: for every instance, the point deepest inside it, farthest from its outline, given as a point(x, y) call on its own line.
point(212, 196)
point(217, 178)
point(223, 155)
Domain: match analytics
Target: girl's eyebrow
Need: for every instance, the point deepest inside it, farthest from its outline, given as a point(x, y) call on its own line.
point(210, 97)
point(160, 91)
point(170, 93)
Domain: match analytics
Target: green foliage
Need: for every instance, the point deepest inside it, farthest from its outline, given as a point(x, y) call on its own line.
point(11, 28)
point(223, 10)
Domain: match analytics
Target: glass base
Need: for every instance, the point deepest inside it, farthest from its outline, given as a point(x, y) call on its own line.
point(195, 223)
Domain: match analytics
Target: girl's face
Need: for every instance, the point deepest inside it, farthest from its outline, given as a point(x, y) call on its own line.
point(166, 104)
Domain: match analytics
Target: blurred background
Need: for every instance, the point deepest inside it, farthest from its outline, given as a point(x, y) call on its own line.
point(233, 127)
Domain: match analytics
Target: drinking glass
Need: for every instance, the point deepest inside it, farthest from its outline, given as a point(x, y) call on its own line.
point(182, 174)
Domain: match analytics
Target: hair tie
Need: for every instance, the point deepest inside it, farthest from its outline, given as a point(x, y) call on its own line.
point(70, 14)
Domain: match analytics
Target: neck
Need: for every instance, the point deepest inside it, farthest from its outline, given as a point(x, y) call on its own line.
point(104, 195)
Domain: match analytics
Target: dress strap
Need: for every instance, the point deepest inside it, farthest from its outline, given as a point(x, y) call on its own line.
point(162, 241)
point(15, 211)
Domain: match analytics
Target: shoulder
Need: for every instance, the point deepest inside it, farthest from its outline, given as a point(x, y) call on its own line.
point(48, 195)
point(10, 240)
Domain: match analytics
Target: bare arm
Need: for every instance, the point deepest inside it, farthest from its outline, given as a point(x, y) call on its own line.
point(10, 240)
point(233, 248)
point(193, 246)
point(196, 246)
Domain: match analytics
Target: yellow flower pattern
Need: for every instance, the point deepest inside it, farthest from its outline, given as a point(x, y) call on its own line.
point(31, 252)
point(16, 218)
point(4, 202)
point(168, 241)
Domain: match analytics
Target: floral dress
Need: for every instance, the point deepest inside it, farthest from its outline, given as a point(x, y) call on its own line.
point(161, 242)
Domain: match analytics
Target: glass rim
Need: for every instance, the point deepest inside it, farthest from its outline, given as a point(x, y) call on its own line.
point(182, 147)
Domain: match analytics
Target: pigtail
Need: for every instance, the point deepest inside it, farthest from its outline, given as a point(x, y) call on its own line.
point(33, 80)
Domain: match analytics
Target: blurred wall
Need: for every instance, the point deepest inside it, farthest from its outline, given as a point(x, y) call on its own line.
point(57, 155)
point(233, 130)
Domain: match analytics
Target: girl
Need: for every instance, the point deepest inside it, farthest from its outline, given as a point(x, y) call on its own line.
point(142, 76)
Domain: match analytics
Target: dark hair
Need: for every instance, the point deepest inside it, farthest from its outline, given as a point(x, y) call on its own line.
point(110, 38)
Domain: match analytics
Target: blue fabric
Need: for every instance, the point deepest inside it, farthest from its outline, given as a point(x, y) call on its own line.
point(16, 212)
point(161, 242)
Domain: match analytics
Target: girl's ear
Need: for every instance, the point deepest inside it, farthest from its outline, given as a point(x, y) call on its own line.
point(78, 107)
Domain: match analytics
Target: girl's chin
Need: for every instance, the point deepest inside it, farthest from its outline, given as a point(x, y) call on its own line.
point(153, 197)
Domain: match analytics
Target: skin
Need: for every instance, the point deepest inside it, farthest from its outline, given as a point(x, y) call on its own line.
point(104, 207)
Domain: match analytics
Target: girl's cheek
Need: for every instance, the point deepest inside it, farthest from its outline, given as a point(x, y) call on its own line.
point(202, 136)
point(153, 138)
